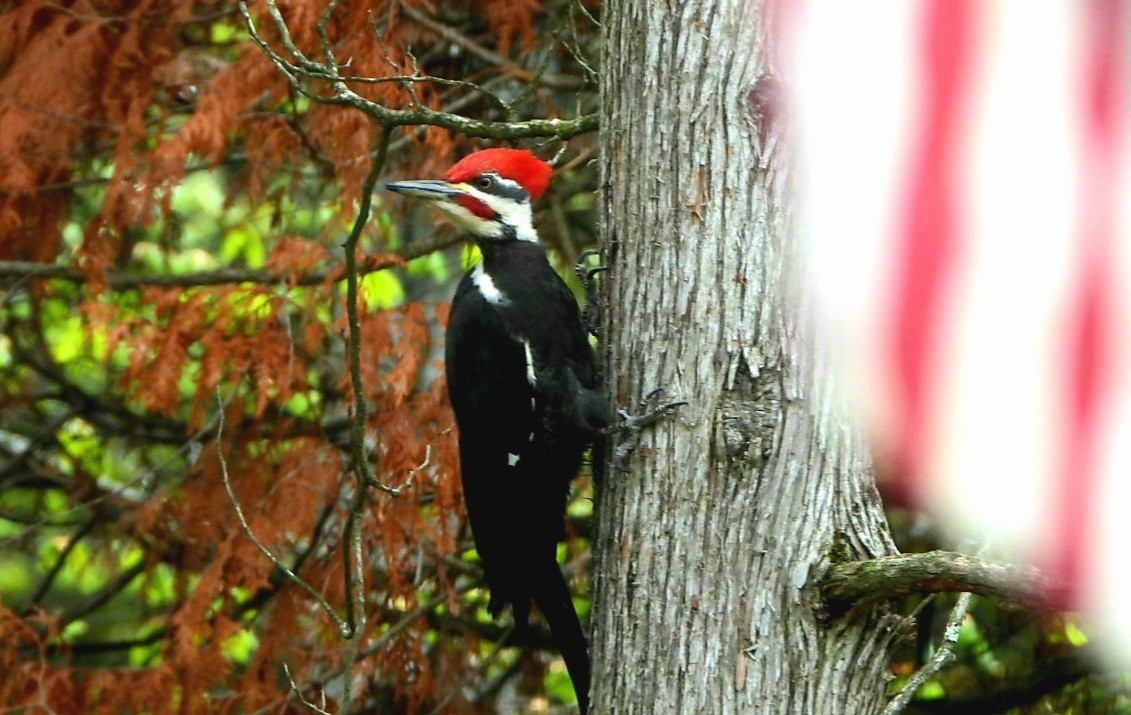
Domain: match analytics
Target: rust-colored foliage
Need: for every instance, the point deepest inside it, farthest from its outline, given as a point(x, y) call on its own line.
point(122, 444)
point(81, 80)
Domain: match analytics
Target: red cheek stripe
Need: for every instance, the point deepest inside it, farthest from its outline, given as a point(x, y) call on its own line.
point(476, 207)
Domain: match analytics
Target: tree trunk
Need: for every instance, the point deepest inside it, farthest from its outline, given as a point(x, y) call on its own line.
point(710, 538)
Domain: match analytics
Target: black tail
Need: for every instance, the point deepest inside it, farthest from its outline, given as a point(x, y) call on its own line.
point(552, 596)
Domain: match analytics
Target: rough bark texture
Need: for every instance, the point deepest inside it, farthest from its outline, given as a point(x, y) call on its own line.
point(710, 541)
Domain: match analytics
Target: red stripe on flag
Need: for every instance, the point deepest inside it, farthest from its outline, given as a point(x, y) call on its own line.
point(1089, 331)
point(928, 236)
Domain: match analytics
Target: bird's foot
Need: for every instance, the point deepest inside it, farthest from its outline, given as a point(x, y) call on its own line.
point(653, 409)
point(586, 273)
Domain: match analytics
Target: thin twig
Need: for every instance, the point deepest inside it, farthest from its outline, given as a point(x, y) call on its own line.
point(396, 491)
point(431, 79)
point(222, 276)
point(574, 48)
point(95, 601)
point(56, 568)
point(581, 6)
point(529, 89)
point(343, 628)
point(324, 38)
point(474, 48)
point(302, 67)
point(585, 156)
point(119, 490)
point(455, 105)
point(233, 158)
point(409, 618)
point(302, 698)
point(943, 655)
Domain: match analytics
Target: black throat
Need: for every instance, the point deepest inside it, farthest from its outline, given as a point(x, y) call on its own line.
point(514, 264)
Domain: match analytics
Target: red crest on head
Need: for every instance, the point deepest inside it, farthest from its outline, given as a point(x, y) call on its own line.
point(515, 164)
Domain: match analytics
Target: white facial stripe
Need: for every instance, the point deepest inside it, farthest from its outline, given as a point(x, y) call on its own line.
point(508, 212)
point(516, 215)
point(488, 289)
point(468, 221)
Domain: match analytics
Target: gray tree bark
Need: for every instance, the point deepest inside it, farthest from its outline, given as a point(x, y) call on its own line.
point(710, 540)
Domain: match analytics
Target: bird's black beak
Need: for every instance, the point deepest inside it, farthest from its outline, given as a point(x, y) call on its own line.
point(425, 189)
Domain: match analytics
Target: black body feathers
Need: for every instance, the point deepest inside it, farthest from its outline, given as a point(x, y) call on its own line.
point(523, 386)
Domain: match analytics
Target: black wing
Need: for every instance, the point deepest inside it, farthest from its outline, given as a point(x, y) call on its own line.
point(522, 384)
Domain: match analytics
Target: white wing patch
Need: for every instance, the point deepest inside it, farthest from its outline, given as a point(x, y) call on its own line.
point(487, 287)
point(512, 459)
point(530, 376)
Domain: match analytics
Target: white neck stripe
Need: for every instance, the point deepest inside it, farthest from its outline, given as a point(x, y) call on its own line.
point(487, 287)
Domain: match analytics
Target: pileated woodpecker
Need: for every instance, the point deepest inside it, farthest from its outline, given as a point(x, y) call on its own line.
point(523, 386)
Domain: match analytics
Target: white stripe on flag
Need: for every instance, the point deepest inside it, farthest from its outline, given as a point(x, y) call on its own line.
point(994, 440)
point(1001, 373)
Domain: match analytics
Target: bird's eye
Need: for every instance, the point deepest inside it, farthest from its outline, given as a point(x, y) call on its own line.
point(484, 182)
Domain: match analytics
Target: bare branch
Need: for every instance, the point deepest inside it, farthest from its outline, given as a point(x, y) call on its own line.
point(353, 562)
point(412, 616)
point(221, 276)
point(859, 583)
point(1046, 676)
point(943, 655)
point(360, 409)
point(56, 568)
point(119, 280)
point(95, 601)
point(232, 158)
point(589, 16)
point(324, 38)
point(574, 46)
point(452, 35)
point(303, 67)
point(431, 79)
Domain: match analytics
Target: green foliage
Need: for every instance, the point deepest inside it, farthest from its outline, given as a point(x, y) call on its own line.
point(381, 290)
point(557, 683)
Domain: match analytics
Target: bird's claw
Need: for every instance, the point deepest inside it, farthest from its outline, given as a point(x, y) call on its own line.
point(583, 259)
point(586, 272)
point(590, 316)
point(635, 424)
point(650, 397)
point(650, 413)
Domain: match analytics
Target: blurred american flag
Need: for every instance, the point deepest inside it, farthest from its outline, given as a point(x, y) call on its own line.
point(967, 174)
